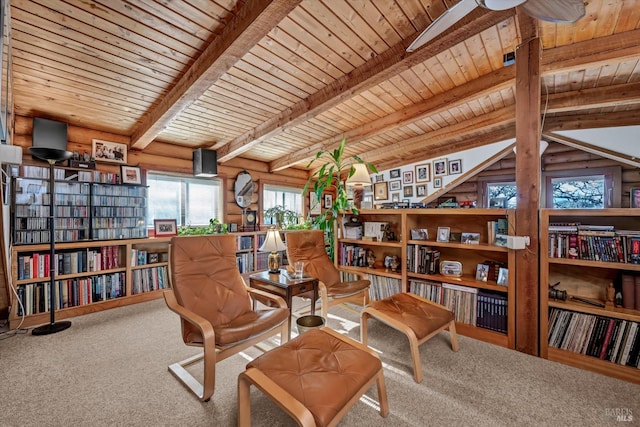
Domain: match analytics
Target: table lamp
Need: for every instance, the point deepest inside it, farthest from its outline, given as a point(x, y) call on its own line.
point(358, 180)
point(273, 243)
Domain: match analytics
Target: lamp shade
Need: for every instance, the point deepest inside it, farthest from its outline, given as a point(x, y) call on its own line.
point(360, 177)
point(273, 242)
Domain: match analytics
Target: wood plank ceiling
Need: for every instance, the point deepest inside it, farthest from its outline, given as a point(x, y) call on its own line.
point(278, 80)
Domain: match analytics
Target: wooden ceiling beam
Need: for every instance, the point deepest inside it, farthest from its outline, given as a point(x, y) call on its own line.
point(250, 25)
point(379, 69)
point(554, 61)
point(483, 86)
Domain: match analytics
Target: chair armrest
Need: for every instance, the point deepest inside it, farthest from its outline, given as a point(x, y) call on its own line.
point(205, 327)
point(275, 298)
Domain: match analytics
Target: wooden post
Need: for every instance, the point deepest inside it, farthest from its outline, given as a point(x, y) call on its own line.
point(528, 196)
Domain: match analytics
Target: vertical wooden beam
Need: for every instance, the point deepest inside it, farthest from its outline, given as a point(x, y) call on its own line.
point(528, 197)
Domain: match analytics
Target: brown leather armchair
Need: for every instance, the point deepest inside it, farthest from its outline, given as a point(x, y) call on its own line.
point(308, 246)
point(215, 307)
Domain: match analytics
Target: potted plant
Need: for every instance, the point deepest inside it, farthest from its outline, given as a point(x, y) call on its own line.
point(331, 176)
point(285, 218)
point(214, 227)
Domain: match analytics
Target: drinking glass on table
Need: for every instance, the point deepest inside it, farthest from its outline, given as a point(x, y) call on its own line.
point(298, 268)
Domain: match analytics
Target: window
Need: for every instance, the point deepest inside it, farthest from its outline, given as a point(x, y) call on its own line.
point(288, 197)
point(191, 201)
point(583, 189)
point(570, 189)
point(501, 195)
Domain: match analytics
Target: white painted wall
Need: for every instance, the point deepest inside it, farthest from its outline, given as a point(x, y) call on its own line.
point(624, 139)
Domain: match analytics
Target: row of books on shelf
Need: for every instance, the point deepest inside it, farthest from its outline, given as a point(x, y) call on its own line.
point(382, 287)
point(352, 255)
point(472, 306)
point(65, 174)
point(423, 259)
point(37, 265)
point(629, 292)
point(244, 243)
point(614, 340)
point(35, 298)
point(149, 279)
point(245, 262)
point(594, 243)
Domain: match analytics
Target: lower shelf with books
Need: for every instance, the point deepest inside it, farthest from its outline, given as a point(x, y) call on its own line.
point(614, 341)
point(480, 313)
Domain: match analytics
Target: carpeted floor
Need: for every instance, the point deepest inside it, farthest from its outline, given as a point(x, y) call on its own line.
point(110, 368)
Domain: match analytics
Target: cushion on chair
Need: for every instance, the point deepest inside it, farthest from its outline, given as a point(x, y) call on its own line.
point(422, 317)
point(319, 370)
point(308, 246)
point(347, 288)
point(206, 281)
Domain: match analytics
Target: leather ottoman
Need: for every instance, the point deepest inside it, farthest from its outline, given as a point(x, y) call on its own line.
point(416, 317)
point(316, 378)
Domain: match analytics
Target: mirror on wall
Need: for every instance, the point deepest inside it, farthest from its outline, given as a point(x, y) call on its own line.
point(243, 189)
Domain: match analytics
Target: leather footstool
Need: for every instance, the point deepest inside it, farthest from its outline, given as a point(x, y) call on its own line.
point(418, 318)
point(316, 378)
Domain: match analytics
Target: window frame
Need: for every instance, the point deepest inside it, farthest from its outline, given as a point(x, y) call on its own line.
point(612, 183)
point(265, 183)
point(178, 176)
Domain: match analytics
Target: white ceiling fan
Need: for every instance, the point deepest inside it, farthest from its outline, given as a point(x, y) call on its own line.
point(559, 11)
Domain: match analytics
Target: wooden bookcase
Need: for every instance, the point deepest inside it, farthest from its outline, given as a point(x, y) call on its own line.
point(401, 221)
point(588, 279)
point(105, 265)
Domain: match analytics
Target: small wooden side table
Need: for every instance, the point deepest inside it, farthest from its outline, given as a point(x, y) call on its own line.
point(286, 286)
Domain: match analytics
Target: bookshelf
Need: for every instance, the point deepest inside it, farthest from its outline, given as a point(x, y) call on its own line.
point(586, 253)
point(484, 310)
point(92, 276)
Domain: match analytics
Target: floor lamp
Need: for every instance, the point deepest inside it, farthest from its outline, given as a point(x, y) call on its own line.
point(51, 155)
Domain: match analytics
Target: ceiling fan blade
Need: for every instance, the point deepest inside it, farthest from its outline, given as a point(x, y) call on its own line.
point(443, 22)
point(558, 11)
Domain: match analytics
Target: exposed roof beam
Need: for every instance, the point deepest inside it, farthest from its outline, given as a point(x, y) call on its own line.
point(370, 74)
point(250, 25)
point(599, 97)
point(554, 61)
point(482, 86)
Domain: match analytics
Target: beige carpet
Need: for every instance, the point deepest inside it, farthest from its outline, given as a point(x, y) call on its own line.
point(110, 368)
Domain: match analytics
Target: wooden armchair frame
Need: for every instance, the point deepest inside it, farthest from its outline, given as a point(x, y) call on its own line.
point(211, 353)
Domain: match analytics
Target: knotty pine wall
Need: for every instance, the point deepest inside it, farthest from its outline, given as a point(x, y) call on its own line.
point(557, 157)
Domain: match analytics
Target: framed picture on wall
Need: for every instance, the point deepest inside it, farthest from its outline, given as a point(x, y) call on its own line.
point(328, 201)
point(423, 173)
point(394, 173)
point(106, 151)
point(407, 177)
point(315, 208)
point(380, 191)
point(437, 182)
point(455, 167)
point(439, 167)
point(130, 175)
point(395, 185)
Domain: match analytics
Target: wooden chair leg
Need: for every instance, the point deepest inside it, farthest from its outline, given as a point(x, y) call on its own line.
point(453, 335)
point(382, 395)
point(244, 401)
point(364, 316)
point(415, 357)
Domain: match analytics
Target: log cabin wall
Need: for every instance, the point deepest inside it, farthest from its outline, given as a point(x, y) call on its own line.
point(557, 157)
point(164, 158)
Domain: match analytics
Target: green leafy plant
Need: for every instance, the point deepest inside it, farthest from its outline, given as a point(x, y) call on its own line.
point(214, 227)
point(285, 218)
point(330, 177)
